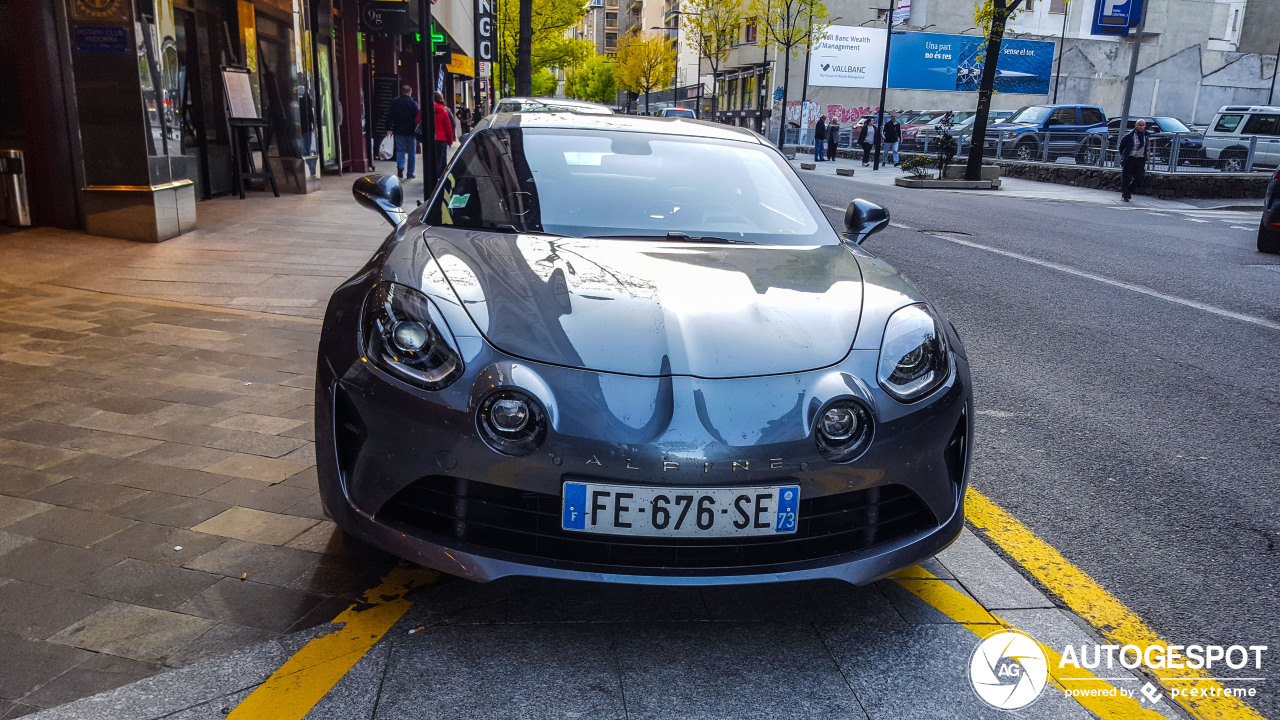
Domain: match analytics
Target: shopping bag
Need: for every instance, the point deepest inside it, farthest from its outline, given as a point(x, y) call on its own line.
point(387, 148)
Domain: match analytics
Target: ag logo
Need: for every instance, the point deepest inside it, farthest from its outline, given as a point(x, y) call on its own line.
point(1008, 670)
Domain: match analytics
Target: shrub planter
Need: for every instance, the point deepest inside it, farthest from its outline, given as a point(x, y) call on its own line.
point(808, 166)
point(932, 184)
point(847, 172)
point(1158, 184)
point(956, 172)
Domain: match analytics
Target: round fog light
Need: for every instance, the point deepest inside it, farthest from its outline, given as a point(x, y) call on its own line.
point(839, 423)
point(410, 336)
point(509, 414)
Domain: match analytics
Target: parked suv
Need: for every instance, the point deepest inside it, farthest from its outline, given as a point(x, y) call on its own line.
point(1160, 130)
point(1228, 138)
point(1061, 126)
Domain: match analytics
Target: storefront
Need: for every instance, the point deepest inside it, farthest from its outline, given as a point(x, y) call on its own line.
point(742, 97)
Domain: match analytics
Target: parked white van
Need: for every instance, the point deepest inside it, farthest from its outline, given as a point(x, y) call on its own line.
point(1229, 136)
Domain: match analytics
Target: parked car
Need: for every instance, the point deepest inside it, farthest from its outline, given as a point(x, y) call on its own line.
point(945, 122)
point(1160, 133)
point(631, 350)
point(550, 105)
point(1269, 225)
point(677, 112)
point(1227, 140)
point(1025, 133)
point(929, 134)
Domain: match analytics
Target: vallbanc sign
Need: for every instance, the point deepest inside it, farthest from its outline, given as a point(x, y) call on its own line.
point(854, 57)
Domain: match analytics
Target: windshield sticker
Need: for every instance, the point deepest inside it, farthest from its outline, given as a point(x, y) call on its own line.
point(458, 201)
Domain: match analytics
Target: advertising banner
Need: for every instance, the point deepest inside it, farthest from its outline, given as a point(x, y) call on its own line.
point(928, 61)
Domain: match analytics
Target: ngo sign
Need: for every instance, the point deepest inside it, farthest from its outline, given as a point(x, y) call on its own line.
point(928, 61)
point(484, 35)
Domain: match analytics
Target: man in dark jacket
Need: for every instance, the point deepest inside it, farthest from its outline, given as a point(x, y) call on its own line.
point(867, 139)
point(402, 119)
point(1133, 153)
point(820, 139)
point(892, 134)
point(833, 137)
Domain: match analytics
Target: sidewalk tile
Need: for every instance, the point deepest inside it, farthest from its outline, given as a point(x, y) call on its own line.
point(157, 543)
point(69, 526)
point(61, 566)
point(86, 494)
point(162, 587)
point(252, 604)
point(221, 639)
point(110, 444)
point(135, 632)
point(324, 538)
point(176, 454)
point(17, 481)
point(96, 674)
point(10, 542)
point(255, 526)
point(57, 412)
point(263, 469)
point(167, 509)
point(269, 564)
point(987, 577)
point(43, 433)
point(34, 457)
point(259, 495)
point(129, 405)
point(265, 424)
point(40, 662)
point(37, 611)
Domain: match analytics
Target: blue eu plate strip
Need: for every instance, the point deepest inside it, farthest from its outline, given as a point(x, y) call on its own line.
point(574, 506)
point(788, 509)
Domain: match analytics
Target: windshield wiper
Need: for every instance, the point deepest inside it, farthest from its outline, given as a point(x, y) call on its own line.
point(682, 237)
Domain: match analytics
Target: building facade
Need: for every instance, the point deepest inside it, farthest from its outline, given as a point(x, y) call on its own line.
point(129, 112)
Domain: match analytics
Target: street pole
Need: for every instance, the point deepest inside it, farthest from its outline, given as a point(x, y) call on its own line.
point(804, 89)
point(1274, 69)
point(1133, 72)
point(427, 88)
point(884, 85)
point(1062, 47)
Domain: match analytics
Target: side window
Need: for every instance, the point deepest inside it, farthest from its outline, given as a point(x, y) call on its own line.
point(1228, 123)
point(1063, 116)
point(1262, 125)
point(1091, 116)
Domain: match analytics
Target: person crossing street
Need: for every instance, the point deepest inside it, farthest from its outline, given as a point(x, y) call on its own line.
point(1133, 155)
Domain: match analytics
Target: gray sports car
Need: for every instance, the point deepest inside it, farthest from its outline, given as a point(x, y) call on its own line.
point(634, 350)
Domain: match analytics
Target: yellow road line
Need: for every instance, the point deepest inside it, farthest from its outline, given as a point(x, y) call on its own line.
point(969, 613)
point(305, 678)
point(1100, 608)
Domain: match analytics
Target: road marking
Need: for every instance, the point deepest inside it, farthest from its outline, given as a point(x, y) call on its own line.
point(1238, 227)
point(969, 613)
point(1223, 312)
point(1089, 600)
point(1195, 220)
point(304, 679)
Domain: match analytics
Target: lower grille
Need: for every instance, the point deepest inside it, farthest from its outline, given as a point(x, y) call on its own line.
point(528, 524)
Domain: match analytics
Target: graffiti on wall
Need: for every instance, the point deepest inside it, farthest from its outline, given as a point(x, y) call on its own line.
point(842, 114)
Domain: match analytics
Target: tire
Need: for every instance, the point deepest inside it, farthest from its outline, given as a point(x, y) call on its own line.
point(1026, 150)
point(1232, 161)
point(1089, 154)
point(1268, 240)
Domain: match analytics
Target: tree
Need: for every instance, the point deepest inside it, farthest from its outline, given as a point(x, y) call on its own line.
point(989, 15)
point(645, 62)
point(593, 80)
point(791, 25)
point(550, 47)
point(543, 83)
point(712, 31)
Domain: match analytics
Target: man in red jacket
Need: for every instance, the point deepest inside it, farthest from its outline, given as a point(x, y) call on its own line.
point(444, 133)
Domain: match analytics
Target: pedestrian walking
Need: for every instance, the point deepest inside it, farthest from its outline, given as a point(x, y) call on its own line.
point(444, 134)
point(1133, 155)
point(402, 121)
point(820, 139)
point(892, 135)
point(867, 139)
point(833, 136)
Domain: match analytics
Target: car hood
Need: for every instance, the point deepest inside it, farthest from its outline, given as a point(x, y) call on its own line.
point(1011, 126)
point(655, 307)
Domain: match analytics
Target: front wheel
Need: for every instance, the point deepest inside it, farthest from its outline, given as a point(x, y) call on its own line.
point(1268, 240)
point(1232, 161)
point(1026, 150)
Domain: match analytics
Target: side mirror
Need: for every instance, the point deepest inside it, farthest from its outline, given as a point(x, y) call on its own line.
point(863, 218)
point(383, 195)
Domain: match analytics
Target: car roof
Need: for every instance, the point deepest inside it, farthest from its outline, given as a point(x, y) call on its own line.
point(625, 123)
point(562, 102)
point(1250, 108)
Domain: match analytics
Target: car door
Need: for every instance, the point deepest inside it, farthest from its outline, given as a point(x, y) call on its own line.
point(1266, 127)
point(1063, 130)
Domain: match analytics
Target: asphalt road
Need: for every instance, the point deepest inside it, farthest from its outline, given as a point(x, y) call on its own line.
point(1128, 394)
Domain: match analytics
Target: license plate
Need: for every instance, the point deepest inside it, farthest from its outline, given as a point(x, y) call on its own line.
point(679, 511)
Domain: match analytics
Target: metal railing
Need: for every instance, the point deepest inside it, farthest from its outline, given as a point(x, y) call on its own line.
point(1166, 152)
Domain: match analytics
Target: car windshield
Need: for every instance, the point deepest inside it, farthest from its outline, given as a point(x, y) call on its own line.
point(604, 183)
point(1034, 114)
point(682, 112)
point(1172, 125)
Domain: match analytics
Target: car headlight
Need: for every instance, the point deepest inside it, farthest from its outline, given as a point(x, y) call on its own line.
point(843, 430)
point(401, 338)
point(512, 422)
point(913, 355)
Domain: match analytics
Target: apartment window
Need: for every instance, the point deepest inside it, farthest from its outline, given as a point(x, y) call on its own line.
point(749, 33)
point(611, 39)
point(1058, 7)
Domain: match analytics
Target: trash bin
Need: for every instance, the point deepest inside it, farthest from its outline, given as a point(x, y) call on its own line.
point(13, 185)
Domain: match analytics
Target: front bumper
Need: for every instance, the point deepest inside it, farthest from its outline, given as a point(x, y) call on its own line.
point(382, 446)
